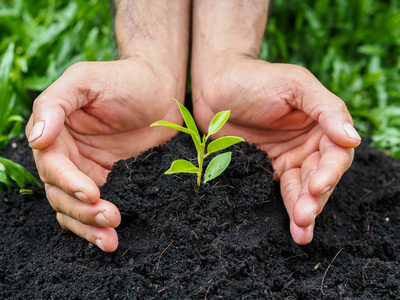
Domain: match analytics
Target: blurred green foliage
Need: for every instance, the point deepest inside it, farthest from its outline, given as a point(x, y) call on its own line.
point(49, 36)
point(39, 40)
point(10, 120)
point(353, 48)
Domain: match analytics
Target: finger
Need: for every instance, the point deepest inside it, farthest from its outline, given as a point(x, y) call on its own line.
point(105, 238)
point(58, 101)
point(293, 153)
point(302, 235)
point(302, 207)
point(325, 107)
point(56, 168)
point(102, 213)
point(290, 189)
point(335, 160)
point(307, 206)
point(291, 185)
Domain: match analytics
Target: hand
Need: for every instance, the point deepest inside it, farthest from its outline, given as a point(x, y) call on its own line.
point(305, 129)
point(93, 115)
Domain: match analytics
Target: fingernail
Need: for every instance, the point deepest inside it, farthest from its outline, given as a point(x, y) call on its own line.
point(101, 220)
point(351, 132)
point(326, 189)
point(36, 132)
point(81, 196)
point(99, 244)
point(314, 216)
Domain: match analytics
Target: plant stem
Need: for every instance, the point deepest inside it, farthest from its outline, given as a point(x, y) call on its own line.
point(200, 160)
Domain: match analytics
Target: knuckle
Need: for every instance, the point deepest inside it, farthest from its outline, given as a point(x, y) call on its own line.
point(74, 226)
point(77, 67)
point(80, 217)
point(83, 232)
point(290, 181)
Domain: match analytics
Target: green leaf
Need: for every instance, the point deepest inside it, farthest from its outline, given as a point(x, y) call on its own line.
point(223, 142)
point(190, 123)
point(218, 121)
point(5, 179)
point(173, 126)
point(17, 172)
point(15, 118)
point(182, 166)
point(371, 49)
point(196, 140)
point(217, 165)
point(187, 117)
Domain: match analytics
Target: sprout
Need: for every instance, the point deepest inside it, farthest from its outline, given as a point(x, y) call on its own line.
point(220, 162)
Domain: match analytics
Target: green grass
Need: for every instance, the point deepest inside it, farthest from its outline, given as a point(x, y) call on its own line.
point(353, 48)
point(49, 36)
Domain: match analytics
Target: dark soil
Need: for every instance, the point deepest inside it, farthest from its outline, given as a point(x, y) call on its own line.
point(228, 239)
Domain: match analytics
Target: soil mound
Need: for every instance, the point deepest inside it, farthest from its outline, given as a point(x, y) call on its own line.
point(228, 239)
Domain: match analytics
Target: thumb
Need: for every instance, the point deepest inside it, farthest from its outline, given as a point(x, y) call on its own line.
point(328, 109)
point(54, 105)
point(45, 123)
point(335, 120)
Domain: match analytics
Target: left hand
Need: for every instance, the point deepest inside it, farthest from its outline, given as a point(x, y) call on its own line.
point(306, 130)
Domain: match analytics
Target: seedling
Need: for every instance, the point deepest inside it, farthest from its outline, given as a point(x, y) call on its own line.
point(220, 162)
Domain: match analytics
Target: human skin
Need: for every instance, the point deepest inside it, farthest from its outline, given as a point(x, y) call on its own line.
point(99, 112)
point(305, 129)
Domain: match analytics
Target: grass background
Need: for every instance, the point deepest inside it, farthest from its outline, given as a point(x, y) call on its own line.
point(352, 47)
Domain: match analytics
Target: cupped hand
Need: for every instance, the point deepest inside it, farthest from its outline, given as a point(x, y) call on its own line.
point(95, 114)
point(305, 129)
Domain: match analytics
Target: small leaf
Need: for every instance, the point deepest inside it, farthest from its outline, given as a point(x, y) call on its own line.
point(223, 142)
point(217, 165)
point(218, 121)
point(5, 179)
point(187, 117)
point(26, 192)
point(17, 172)
point(195, 138)
point(181, 166)
point(173, 126)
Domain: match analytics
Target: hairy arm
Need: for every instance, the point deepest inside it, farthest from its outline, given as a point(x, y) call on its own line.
point(157, 31)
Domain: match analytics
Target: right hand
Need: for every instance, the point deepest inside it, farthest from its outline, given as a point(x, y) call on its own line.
point(95, 114)
point(305, 129)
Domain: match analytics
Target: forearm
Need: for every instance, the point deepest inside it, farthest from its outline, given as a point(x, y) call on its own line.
point(156, 31)
point(228, 27)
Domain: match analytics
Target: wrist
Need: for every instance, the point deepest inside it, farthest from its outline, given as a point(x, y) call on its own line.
point(225, 31)
point(159, 66)
point(156, 32)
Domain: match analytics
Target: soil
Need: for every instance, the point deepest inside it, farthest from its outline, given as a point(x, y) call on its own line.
point(228, 239)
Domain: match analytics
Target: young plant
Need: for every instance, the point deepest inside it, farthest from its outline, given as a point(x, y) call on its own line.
point(220, 162)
